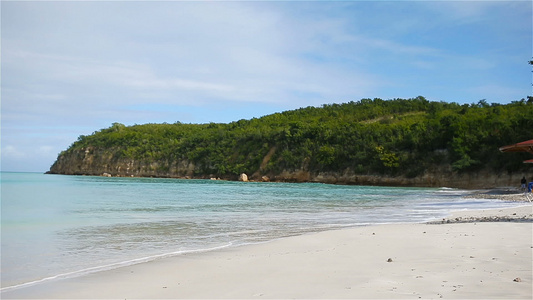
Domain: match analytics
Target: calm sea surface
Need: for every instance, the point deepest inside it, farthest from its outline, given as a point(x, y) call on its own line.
point(61, 226)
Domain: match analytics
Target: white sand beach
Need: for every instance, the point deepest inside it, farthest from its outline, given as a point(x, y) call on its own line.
point(470, 260)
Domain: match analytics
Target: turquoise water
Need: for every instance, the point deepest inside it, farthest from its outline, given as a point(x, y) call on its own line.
point(60, 226)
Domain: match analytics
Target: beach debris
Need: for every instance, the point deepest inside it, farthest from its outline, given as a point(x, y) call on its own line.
point(509, 195)
point(517, 279)
point(389, 260)
point(509, 218)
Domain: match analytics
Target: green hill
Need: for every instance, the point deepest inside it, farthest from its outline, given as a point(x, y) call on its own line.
point(354, 142)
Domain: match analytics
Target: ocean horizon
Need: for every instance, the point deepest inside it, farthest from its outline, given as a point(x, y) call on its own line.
point(57, 226)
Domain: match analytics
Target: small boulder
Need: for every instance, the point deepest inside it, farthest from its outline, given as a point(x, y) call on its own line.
point(243, 177)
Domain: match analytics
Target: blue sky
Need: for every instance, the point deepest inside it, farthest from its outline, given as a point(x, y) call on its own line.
point(71, 68)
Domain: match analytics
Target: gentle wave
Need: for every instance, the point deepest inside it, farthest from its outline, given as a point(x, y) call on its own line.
point(113, 266)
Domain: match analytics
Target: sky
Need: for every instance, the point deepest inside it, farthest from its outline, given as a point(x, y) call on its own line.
point(70, 68)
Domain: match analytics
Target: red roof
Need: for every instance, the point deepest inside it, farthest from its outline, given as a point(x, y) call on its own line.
point(526, 146)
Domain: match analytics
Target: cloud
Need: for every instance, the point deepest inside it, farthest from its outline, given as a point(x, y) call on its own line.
point(24, 158)
point(71, 68)
point(464, 12)
point(11, 152)
point(259, 64)
point(45, 150)
point(191, 53)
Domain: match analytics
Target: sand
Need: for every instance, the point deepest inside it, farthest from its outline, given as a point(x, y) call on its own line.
point(463, 260)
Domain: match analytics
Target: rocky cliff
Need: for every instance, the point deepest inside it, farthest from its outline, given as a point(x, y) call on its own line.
point(401, 142)
point(91, 161)
point(94, 161)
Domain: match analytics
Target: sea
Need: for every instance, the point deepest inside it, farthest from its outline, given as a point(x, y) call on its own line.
point(57, 226)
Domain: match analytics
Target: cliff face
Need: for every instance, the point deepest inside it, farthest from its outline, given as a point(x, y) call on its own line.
point(477, 180)
point(401, 142)
point(91, 161)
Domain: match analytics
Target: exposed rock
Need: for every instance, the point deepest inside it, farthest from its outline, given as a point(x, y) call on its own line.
point(506, 194)
point(389, 260)
point(267, 158)
point(243, 177)
point(96, 161)
point(509, 218)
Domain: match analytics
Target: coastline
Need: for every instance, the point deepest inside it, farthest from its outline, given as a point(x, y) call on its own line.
point(469, 259)
point(483, 180)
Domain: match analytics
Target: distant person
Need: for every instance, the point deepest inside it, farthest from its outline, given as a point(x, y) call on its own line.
point(523, 182)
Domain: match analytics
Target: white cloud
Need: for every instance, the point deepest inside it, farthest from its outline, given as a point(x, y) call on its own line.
point(11, 152)
point(45, 150)
point(465, 11)
point(88, 64)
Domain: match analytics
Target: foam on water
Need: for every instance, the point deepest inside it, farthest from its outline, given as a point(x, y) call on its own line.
point(111, 266)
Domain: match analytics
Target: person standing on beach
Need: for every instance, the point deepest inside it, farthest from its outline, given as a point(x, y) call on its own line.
point(523, 182)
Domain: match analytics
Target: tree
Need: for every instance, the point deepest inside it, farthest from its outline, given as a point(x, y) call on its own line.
point(399, 136)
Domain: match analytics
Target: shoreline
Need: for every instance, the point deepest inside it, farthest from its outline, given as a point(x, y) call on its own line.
point(475, 181)
point(447, 220)
point(342, 263)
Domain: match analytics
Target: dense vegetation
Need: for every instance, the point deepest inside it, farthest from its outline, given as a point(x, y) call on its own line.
point(371, 136)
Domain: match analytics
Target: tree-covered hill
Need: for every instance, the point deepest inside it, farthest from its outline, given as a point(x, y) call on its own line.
point(400, 138)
